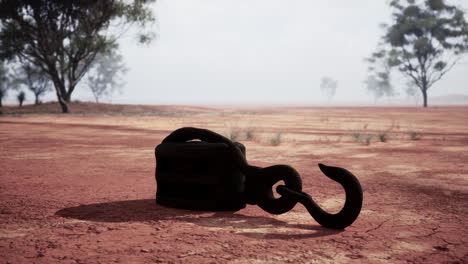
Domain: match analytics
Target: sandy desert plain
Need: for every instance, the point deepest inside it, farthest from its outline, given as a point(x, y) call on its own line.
point(80, 188)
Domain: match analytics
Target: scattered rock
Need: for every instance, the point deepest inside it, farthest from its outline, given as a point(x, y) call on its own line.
point(355, 256)
point(95, 229)
point(441, 248)
point(6, 211)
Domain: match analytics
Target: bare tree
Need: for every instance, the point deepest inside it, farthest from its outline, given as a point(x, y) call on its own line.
point(379, 85)
point(105, 74)
point(8, 81)
point(412, 91)
point(328, 87)
point(3, 82)
point(36, 80)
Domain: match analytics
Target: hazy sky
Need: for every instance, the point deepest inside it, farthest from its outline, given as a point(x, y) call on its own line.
point(259, 51)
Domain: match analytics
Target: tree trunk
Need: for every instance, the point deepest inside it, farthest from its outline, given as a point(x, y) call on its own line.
point(63, 103)
point(64, 106)
point(36, 101)
point(59, 89)
point(67, 98)
point(96, 98)
point(424, 92)
point(67, 94)
point(424, 87)
point(1, 105)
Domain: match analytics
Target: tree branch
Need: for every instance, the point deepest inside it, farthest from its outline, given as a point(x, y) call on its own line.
point(439, 76)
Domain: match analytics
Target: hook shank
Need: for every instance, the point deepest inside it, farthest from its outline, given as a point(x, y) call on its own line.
point(351, 208)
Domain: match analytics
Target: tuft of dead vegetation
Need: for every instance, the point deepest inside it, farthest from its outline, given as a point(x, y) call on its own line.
point(413, 135)
point(233, 135)
point(276, 139)
point(382, 136)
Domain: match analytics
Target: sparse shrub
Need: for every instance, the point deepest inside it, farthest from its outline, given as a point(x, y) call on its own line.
point(233, 135)
point(413, 135)
point(356, 135)
point(240, 134)
point(368, 139)
point(21, 97)
point(324, 119)
point(324, 139)
point(249, 134)
point(276, 139)
point(383, 137)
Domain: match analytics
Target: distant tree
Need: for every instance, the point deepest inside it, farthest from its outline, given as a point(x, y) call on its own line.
point(328, 87)
point(21, 97)
point(412, 91)
point(424, 41)
point(35, 80)
point(8, 81)
point(63, 37)
point(379, 85)
point(3, 82)
point(3, 94)
point(105, 74)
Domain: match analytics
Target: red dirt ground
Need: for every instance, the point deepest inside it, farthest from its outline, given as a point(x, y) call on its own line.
point(80, 188)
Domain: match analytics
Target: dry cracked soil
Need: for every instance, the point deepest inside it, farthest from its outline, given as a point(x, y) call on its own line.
point(80, 188)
